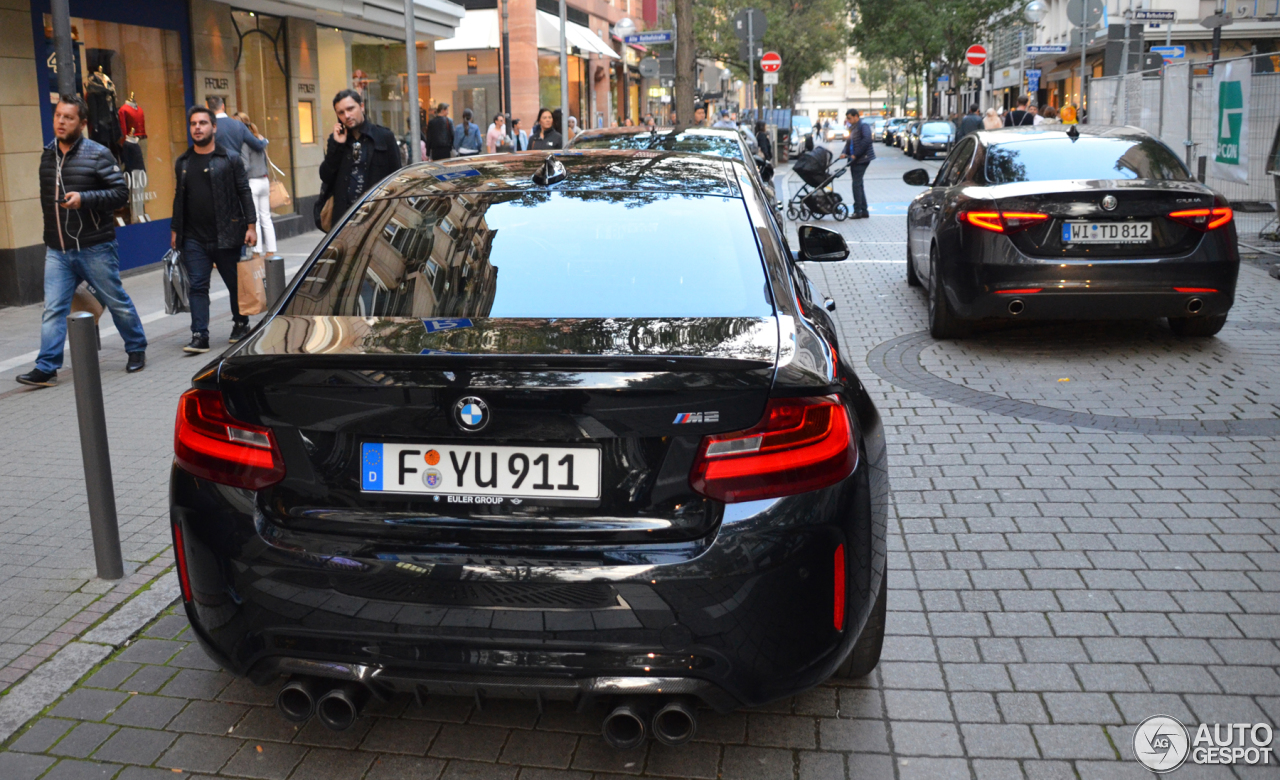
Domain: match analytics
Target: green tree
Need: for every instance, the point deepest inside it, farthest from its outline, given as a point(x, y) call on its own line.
point(808, 34)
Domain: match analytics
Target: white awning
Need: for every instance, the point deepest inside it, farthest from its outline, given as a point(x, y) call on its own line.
point(433, 18)
point(575, 35)
point(480, 29)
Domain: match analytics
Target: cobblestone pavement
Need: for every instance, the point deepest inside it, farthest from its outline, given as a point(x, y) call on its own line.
point(1054, 580)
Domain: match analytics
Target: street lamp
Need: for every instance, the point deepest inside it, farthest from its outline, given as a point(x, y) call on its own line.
point(622, 29)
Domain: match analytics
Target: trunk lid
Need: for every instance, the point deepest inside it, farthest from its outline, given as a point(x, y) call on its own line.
point(1137, 201)
point(642, 392)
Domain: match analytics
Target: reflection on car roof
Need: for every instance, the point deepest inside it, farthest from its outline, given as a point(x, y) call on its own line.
point(596, 169)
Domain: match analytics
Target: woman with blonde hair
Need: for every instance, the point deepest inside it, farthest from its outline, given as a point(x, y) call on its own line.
point(992, 120)
point(255, 164)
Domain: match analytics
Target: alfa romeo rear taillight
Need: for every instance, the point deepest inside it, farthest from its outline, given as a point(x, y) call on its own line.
point(1203, 219)
point(213, 445)
point(802, 444)
point(1002, 221)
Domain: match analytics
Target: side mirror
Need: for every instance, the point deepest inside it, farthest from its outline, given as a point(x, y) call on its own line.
point(917, 177)
point(820, 245)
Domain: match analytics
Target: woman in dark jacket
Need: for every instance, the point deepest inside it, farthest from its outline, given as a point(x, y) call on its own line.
point(545, 135)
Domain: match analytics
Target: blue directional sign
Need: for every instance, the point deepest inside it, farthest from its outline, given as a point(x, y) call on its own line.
point(650, 37)
point(451, 175)
point(1046, 48)
point(1170, 52)
point(1033, 80)
point(437, 324)
point(1155, 16)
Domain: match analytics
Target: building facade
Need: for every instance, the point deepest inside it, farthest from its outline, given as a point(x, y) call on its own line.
point(830, 93)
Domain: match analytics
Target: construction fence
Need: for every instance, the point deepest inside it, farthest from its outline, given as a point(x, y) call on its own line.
point(1177, 104)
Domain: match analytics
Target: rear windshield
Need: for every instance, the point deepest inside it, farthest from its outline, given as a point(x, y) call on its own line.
point(936, 128)
point(802, 122)
point(540, 254)
point(665, 142)
point(1088, 157)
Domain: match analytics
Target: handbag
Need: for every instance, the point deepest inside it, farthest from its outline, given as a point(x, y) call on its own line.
point(177, 285)
point(278, 195)
point(251, 285)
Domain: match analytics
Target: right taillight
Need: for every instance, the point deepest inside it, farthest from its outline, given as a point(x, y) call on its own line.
point(213, 445)
point(1002, 221)
point(1203, 219)
point(801, 444)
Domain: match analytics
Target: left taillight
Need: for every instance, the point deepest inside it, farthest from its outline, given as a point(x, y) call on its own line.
point(213, 445)
point(801, 444)
point(1002, 221)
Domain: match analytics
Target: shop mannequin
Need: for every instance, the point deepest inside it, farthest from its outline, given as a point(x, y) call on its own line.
point(104, 126)
point(133, 156)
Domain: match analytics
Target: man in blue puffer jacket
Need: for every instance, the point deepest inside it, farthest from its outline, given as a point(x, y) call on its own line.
point(80, 186)
point(860, 150)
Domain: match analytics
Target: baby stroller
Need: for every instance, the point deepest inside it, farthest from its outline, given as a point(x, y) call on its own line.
point(817, 198)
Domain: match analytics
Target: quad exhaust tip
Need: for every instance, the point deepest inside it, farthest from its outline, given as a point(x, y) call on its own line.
point(624, 728)
point(675, 723)
point(297, 699)
point(1194, 305)
point(1016, 306)
point(339, 706)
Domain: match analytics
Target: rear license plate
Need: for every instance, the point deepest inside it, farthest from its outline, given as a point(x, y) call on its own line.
point(471, 470)
point(1106, 232)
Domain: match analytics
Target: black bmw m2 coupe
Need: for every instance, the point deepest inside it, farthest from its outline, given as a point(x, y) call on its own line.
point(568, 427)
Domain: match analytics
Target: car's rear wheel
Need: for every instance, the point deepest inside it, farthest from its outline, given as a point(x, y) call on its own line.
point(866, 651)
point(1197, 327)
point(943, 322)
point(913, 279)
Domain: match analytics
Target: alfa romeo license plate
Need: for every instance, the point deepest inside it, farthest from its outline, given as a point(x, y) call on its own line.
point(479, 471)
point(1106, 232)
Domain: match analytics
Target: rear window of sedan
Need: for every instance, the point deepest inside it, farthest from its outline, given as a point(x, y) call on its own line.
point(718, 146)
point(1088, 157)
point(936, 128)
point(540, 254)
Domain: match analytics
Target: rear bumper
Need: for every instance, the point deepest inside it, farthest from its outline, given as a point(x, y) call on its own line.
point(737, 619)
point(991, 273)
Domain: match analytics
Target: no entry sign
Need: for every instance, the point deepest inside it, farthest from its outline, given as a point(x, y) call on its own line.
point(976, 54)
point(770, 62)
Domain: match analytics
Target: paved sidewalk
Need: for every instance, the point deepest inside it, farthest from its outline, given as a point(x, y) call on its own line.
point(48, 587)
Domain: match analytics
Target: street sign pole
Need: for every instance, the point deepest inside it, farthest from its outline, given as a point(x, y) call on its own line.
point(751, 64)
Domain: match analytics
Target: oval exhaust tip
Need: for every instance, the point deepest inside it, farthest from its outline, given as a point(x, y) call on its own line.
point(1194, 305)
point(1016, 306)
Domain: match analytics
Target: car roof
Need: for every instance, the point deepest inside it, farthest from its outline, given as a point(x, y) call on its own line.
point(605, 170)
point(1059, 131)
point(712, 132)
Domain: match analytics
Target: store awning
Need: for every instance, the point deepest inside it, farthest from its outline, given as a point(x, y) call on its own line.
point(433, 18)
point(575, 35)
point(480, 29)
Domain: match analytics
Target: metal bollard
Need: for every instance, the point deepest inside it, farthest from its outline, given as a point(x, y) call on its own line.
point(275, 280)
point(93, 445)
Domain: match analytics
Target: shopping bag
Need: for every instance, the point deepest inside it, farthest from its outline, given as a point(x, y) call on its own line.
point(177, 285)
point(251, 281)
point(278, 194)
point(85, 299)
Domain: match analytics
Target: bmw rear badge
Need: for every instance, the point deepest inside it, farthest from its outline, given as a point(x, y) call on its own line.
point(471, 413)
point(1109, 203)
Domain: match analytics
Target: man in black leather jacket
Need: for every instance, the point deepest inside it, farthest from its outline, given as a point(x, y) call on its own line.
point(359, 154)
point(80, 187)
point(213, 216)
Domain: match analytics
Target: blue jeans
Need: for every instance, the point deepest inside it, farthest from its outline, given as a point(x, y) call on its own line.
point(856, 172)
point(99, 265)
point(201, 259)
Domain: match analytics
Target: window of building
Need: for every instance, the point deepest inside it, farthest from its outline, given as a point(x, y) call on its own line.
point(306, 121)
point(473, 64)
point(134, 110)
point(826, 82)
point(262, 87)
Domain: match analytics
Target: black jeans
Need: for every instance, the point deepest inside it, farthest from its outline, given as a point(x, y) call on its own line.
point(856, 172)
point(201, 259)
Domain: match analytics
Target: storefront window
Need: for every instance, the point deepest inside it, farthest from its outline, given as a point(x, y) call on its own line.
point(376, 68)
point(549, 84)
point(262, 89)
point(133, 85)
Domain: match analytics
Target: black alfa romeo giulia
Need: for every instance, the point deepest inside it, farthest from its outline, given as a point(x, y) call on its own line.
point(1066, 222)
point(561, 427)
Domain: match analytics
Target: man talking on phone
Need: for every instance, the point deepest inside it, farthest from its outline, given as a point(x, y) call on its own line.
point(359, 154)
point(80, 187)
